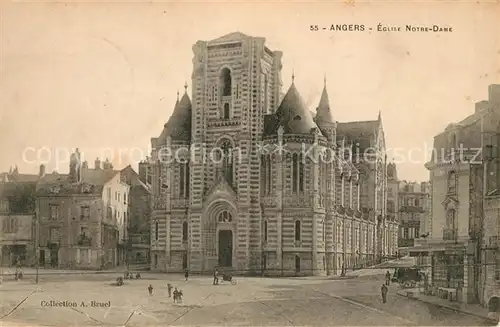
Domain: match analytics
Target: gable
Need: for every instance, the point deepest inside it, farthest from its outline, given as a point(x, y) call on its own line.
point(221, 189)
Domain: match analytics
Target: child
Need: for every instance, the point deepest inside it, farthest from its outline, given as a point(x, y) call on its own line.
point(176, 295)
point(150, 289)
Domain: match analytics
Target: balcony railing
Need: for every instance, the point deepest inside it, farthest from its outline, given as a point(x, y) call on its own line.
point(450, 234)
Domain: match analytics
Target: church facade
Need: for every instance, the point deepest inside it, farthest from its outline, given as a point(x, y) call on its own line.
point(246, 179)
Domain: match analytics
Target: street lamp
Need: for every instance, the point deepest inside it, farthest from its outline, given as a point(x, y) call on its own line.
point(37, 238)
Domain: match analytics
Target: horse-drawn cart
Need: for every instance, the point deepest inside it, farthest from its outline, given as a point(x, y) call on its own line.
point(227, 278)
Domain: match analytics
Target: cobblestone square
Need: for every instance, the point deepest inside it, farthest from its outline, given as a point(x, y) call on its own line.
point(251, 302)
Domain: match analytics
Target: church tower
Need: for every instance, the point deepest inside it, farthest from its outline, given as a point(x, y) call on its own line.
point(206, 164)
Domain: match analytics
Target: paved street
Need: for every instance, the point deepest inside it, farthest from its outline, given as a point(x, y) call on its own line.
point(253, 301)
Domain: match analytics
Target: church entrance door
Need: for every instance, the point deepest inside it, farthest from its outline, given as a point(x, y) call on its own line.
point(225, 248)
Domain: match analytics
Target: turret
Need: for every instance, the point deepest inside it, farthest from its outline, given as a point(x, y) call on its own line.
point(324, 117)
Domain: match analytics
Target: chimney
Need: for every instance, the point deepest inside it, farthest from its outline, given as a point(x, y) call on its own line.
point(97, 164)
point(41, 172)
point(106, 164)
point(84, 170)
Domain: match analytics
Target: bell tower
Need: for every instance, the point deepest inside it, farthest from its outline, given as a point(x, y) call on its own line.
point(235, 82)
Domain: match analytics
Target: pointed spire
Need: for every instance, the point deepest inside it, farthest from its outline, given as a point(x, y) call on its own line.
point(379, 115)
point(323, 112)
point(185, 87)
point(293, 75)
point(177, 95)
point(324, 81)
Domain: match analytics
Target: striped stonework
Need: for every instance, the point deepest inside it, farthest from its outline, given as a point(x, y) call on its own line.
point(258, 212)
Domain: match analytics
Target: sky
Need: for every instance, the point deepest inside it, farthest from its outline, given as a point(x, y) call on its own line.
point(103, 77)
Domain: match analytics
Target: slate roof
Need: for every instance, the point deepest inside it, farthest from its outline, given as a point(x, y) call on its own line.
point(235, 36)
point(178, 125)
point(360, 133)
point(323, 112)
point(16, 177)
point(291, 114)
point(96, 178)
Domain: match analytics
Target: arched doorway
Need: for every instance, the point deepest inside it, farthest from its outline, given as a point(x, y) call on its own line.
point(225, 248)
point(494, 304)
point(297, 264)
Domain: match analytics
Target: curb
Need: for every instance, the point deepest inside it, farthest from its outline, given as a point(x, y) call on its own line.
point(450, 308)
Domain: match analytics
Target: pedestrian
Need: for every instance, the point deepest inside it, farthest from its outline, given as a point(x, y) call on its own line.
point(150, 289)
point(186, 274)
point(169, 288)
point(216, 278)
point(176, 295)
point(384, 291)
point(388, 278)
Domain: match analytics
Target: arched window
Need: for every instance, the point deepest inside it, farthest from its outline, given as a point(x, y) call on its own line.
point(350, 193)
point(266, 177)
point(452, 182)
point(358, 196)
point(265, 230)
point(390, 206)
point(225, 217)
point(417, 203)
point(450, 219)
point(342, 190)
point(451, 225)
point(266, 92)
point(323, 177)
point(297, 230)
point(297, 173)
point(323, 225)
point(157, 230)
point(226, 111)
point(225, 82)
point(184, 180)
point(184, 231)
point(227, 160)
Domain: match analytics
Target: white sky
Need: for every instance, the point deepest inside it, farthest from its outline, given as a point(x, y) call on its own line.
point(97, 76)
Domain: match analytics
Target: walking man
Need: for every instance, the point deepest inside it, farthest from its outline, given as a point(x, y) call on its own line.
point(384, 291)
point(387, 278)
point(169, 289)
point(216, 278)
point(186, 274)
